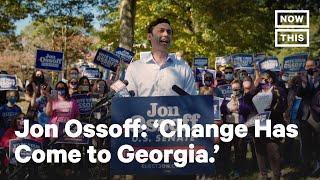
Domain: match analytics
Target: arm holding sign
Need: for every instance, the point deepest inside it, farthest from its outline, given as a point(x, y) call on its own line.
point(49, 104)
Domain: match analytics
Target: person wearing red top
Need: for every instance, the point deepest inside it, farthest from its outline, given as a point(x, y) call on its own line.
point(16, 125)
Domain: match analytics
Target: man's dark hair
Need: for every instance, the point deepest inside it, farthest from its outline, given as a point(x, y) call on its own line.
point(156, 22)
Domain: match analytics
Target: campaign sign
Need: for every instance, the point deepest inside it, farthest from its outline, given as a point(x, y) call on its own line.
point(226, 90)
point(216, 108)
point(259, 57)
point(8, 82)
point(83, 67)
point(271, 64)
point(14, 143)
point(294, 63)
point(242, 60)
point(69, 140)
point(161, 108)
point(124, 55)
point(49, 60)
point(85, 102)
point(91, 73)
point(262, 117)
point(201, 61)
point(106, 60)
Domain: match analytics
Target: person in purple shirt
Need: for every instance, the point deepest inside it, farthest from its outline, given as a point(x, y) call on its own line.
point(235, 112)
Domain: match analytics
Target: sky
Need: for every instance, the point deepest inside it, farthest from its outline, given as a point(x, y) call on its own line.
point(21, 24)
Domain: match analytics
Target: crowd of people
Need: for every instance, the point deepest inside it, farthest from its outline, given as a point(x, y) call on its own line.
point(45, 107)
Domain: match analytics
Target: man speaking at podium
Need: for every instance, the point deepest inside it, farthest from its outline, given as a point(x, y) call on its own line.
point(155, 74)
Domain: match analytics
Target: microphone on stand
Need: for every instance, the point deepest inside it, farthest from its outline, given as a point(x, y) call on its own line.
point(179, 91)
point(115, 87)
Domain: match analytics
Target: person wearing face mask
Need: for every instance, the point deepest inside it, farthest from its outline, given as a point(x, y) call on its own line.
point(64, 107)
point(309, 132)
point(8, 111)
point(268, 98)
point(33, 92)
point(72, 84)
point(16, 125)
point(84, 86)
point(207, 85)
point(235, 112)
point(228, 74)
point(243, 74)
point(74, 73)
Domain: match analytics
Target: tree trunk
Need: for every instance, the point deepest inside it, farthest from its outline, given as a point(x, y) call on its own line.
point(127, 15)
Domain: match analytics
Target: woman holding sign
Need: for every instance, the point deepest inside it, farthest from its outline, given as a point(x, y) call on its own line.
point(268, 98)
point(63, 108)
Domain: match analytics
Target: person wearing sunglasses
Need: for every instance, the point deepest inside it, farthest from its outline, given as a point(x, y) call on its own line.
point(72, 84)
point(228, 74)
point(268, 98)
point(64, 107)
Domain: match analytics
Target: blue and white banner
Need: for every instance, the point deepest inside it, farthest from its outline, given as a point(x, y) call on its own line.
point(271, 63)
point(82, 68)
point(295, 62)
point(201, 61)
point(85, 102)
point(222, 61)
point(91, 73)
point(242, 60)
point(262, 117)
point(49, 60)
point(106, 60)
point(226, 90)
point(161, 108)
point(259, 56)
point(124, 55)
point(69, 140)
point(8, 82)
point(14, 143)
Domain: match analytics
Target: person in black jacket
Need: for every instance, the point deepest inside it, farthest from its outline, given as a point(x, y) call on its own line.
point(309, 133)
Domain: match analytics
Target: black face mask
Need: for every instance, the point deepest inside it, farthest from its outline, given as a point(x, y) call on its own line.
point(310, 72)
point(39, 79)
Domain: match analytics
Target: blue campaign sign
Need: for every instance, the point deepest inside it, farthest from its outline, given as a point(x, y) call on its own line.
point(85, 102)
point(262, 117)
point(106, 60)
point(226, 90)
point(69, 140)
point(8, 82)
point(295, 62)
point(49, 60)
point(83, 67)
point(161, 108)
point(216, 108)
point(91, 73)
point(271, 63)
point(201, 61)
point(14, 143)
point(259, 56)
point(242, 60)
point(125, 55)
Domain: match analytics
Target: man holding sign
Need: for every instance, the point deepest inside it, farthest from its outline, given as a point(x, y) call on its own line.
point(155, 74)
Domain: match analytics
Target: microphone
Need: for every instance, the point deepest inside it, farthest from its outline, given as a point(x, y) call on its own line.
point(179, 91)
point(115, 87)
